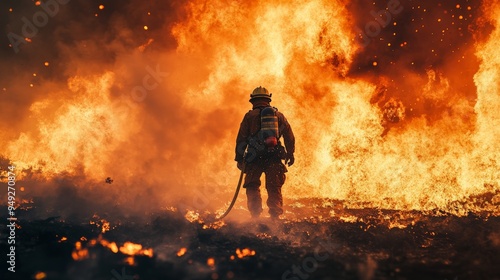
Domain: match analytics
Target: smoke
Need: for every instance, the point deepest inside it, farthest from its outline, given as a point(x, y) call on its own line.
point(94, 95)
point(151, 94)
point(424, 45)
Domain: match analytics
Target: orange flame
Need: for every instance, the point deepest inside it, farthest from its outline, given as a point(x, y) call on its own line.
point(130, 248)
point(79, 253)
point(40, 275)
point(211, 262)
point(130, 261)
point(181, 252)
point(244, 253)
point(352, 143)
point(111, 245)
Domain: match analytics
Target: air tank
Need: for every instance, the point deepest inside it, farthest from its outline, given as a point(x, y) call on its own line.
point(269, 126)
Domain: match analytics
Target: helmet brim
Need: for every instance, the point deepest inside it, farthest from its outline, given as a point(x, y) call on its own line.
point(254, 98)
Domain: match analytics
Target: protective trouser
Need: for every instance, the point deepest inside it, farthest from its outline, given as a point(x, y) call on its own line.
point(274, 170)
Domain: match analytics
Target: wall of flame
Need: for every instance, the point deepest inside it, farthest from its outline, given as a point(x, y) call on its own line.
point(358, 138)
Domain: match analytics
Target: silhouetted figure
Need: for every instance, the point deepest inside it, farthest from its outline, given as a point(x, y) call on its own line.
point(259, 150)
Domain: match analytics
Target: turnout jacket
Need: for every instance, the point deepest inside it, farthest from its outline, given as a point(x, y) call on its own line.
point(251, 125)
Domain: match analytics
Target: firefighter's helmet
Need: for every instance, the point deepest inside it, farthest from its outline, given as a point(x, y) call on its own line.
point(260, 92)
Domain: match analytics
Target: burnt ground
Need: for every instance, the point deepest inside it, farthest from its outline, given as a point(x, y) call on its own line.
point(333, 243)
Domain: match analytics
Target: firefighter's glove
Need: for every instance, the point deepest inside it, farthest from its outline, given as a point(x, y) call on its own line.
point(240, 164)
point(290, 159)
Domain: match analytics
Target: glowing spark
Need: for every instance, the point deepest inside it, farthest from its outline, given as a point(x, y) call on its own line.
point(181, 252)
point(46, 63)
point(145, 27)
point(244, 252)
point(22, 188)
point(130, 248)
point(193, 216)
point(101, 7)
point(211, 262)
point(105, 226)
point(130, 261)
point(147, 252)
point(105, 243)
point(79, 253)
point(40, 275)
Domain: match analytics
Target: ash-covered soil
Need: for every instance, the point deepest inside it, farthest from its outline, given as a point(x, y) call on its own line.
point(331, 243)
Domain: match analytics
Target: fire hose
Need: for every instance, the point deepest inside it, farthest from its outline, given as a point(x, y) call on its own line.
point(235, 193)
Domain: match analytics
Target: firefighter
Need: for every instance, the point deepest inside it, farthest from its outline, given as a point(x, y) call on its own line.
point(259, 150)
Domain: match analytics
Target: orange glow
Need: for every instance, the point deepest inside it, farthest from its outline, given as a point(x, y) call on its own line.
point(147, 252)
point(193, 216)
point(102, 223)
point(244, 253)
point(105, 226)
point(181, 252)
point(211, 262)
point(418, 140)
point(145, 45)
point(130, 248)
point(130, 261)
point(111, 245)
point(214, 225)
point(40, 275)
point(79, 253)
